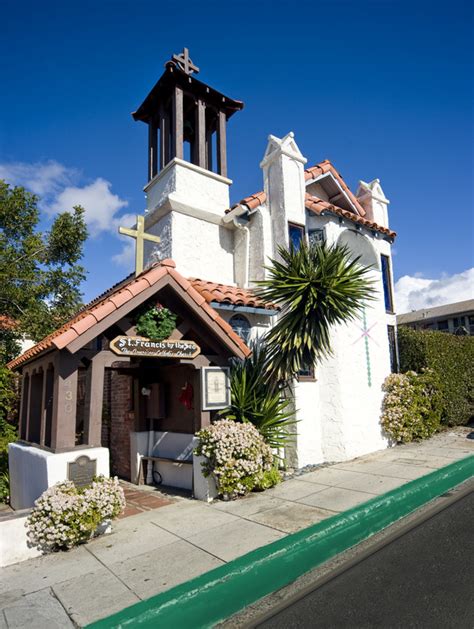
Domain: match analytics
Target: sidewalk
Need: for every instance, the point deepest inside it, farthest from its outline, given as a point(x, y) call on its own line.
point(157, 549)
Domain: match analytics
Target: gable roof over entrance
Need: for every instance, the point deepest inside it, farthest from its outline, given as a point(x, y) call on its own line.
point(115, 304)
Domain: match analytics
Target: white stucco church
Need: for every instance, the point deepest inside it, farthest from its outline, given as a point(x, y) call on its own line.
point(188, 206)
point(87, 405)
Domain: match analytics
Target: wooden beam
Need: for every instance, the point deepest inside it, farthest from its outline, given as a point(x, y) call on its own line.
point(24, 403)
point(209, 148)
point(201, 418)
point(177, 134)
point(100, 327)
point(116, 315)
point(43, 410)
point(221, 144)
point(180, 331)
point(95, 397)
point(164, 138)
point(152, 149)
point(63, 430)
point(35, 411)
point(28, 406)
point(201, 134)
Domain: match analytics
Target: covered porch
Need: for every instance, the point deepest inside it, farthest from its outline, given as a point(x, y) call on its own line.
point(91, 405)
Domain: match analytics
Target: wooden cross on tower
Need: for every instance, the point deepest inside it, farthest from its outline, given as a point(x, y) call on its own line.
point(140, 236)
point(185, 63)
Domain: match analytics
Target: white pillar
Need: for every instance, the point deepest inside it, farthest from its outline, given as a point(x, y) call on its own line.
point(283, 174)
point(373, 200)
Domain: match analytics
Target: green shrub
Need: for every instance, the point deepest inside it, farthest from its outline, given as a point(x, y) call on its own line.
point(412, 405)
point(452, 359)
point(270, 479)
point(7, 430)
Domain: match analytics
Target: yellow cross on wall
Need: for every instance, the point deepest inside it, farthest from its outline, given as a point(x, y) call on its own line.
point(140, 236)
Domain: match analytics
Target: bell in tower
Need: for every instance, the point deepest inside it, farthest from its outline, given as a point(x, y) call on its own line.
point(186, 119)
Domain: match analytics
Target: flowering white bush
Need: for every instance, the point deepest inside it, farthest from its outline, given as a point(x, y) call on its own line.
point(65, 516)
point(105, 497)
point(236, 454)
point(411, 408)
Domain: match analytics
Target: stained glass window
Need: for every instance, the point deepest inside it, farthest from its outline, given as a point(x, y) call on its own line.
point(241, 326)
point(316, 236)
point(387, 284)
point(296, 234)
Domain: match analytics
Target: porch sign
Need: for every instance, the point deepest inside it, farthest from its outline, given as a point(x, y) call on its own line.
point(82, 471)
point(141, 346)
point(215, 387)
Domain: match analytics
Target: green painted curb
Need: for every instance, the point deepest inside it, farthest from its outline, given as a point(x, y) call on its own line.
point(216, 595)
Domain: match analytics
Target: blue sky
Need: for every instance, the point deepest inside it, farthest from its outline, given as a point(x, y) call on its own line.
point(382, 88)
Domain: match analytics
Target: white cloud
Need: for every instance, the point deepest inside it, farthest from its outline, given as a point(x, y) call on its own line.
point(415, 292)
point(60, 188)
point(100, 204)
point(126, 257)
point(46, 179)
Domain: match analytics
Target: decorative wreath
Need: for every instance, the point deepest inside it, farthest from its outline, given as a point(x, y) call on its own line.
point(156, 323)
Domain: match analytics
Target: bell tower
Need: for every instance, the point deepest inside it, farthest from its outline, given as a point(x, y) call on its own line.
point(186, 119)
point(187, 190)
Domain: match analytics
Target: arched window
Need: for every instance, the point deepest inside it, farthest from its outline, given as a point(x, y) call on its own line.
point(241, 326)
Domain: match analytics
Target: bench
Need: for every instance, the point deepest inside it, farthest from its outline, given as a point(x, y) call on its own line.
point(175, 449)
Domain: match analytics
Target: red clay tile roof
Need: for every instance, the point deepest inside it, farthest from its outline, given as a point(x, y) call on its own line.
point(259, 198)
point(325, 167)
point(317, 205)
point(122, 293)
point(232, 295)
point(252, 202)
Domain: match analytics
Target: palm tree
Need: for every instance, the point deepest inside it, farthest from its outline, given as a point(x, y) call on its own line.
point(316, 287)
point(256, 399)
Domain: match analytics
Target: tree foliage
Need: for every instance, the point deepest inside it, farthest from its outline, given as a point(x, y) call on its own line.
point(316, 287)
point(452, 359)
point(40, 272)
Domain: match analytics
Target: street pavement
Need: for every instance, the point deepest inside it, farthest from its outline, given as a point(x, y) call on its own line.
point(158, 549)
point(422, 579)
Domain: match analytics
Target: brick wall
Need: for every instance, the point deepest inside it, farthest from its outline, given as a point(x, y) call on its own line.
point(121, 423)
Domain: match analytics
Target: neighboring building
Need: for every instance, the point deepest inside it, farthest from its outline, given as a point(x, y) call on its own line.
point(7, 324)
point(455, 318)
point(210, 256)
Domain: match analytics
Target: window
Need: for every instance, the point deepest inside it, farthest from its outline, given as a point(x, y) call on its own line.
point(471, 325)
point(241, 326)
point(306, 373)
point(316, 236)
point(459, 322)
point(393, 348)
point(443, 326)
point(387, 283)
point(296, 234)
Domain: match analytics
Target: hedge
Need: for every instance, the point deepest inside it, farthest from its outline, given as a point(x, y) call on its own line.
point(452, 358)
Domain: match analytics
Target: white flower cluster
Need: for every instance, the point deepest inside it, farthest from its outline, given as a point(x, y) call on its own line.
point(106, 497)
point(409, 408)
point(236, 454)
point(65, 516)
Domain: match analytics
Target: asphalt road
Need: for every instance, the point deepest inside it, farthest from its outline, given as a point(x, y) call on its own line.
point(424, 579)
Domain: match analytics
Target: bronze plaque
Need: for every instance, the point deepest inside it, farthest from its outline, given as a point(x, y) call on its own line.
point(140, 346)
point(82, 471)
